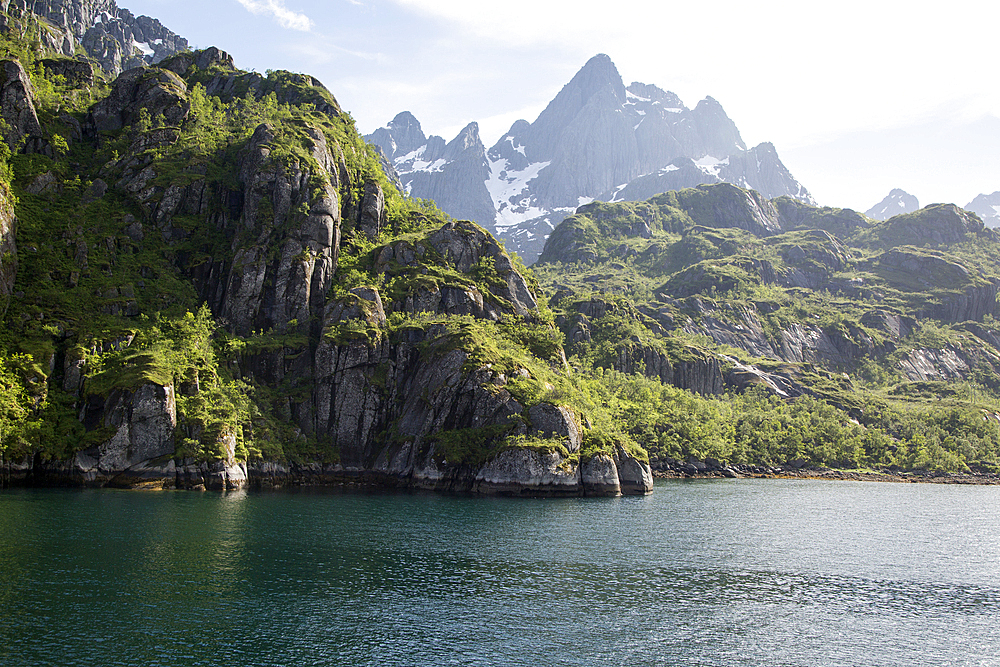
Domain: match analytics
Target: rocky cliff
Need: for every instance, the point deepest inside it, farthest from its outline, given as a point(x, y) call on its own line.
point(218, 283)
point(109, 35)
point(223, 288)
point(597, 139)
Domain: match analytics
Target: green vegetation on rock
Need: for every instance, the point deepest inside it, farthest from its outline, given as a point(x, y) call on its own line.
point(230, 241)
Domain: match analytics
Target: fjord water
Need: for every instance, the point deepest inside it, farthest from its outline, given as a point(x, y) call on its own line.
point(733, 572)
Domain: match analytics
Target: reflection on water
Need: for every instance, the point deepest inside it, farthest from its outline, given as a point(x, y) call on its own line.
point(705, 573)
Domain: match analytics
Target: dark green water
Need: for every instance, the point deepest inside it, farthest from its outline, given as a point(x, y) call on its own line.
point(735, 572)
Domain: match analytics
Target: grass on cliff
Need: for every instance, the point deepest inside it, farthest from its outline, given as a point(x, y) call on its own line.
point(88, 285)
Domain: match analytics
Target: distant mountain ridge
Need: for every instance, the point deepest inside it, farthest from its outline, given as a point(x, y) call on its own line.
point(896, 202)
point(598, 139)
point(986, 207)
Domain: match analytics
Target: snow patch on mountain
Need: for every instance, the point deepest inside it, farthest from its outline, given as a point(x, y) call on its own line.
point(143, 48)
point(509, 189)
point(710, 165)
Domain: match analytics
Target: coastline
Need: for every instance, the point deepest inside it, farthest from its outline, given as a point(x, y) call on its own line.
point(902, 477)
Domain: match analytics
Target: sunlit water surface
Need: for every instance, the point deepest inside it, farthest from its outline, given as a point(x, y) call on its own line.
point(734, 572)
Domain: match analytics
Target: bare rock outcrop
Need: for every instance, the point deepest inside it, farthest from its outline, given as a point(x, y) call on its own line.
point(8, 250)
point(599, 476)
point(17, 107)
point(143, 423)
point(700, 372)
point(926, 364)
point(465, 244)
point(280, 208)
point(77, 73)
point(634, 476)
point(553, 421)
point(466, 247)
point(159, 92)
point(528, 472)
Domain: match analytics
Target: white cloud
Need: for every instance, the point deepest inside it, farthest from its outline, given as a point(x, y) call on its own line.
point(285, 17)
point(786, 72)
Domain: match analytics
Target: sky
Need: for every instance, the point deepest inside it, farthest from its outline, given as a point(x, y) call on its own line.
point(858, 97)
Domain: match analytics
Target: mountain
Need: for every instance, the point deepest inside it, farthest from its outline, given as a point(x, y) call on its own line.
point(987, 207)
point(598, 139)
point(109, 35)
point(453, 175)
point(208, 279)
point(793, 301)
point(896, 202)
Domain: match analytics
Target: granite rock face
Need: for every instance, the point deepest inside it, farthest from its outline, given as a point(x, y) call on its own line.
point(115, 38)
point(597, 139)
point(634, 476)
point(8, 250)
point(528, 472)
point(77, 73)
point(143, 423)
point(260, 294)
point(17, 107)
point(599, 476)
point(157, 91)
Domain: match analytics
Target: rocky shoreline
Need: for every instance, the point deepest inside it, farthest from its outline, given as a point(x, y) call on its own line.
point(691, 471)
point(514, 472)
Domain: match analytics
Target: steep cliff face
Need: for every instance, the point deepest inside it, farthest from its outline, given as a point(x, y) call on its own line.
point(18, 109)
point(8, 250)
point(346, 336)
point(295, 211)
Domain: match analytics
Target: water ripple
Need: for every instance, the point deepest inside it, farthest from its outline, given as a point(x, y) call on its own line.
point(698, 574)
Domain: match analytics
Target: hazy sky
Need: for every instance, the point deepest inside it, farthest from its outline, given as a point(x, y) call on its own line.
point(858, 96)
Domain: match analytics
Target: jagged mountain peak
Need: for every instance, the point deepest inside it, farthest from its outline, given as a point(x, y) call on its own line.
point(986, 207)
point(596, 139)
point(469, 135)
point(406, 132)
point(896, 202)
point(718, 131)
point(599, 77)
point(404, 120)
point(401, 136)
point(597, 73)
point(467, 139)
